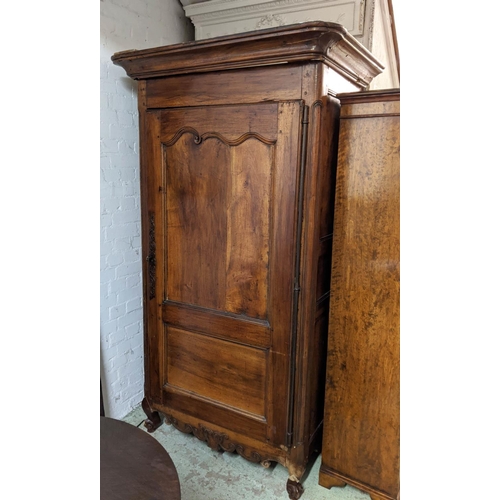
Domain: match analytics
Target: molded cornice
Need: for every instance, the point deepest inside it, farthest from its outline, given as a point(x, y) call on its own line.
point(329, 43)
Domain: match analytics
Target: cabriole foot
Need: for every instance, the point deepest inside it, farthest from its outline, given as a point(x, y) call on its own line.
point(154, 420)
point(294, 489)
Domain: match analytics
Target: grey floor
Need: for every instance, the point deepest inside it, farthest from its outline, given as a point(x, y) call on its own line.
point(208, 475)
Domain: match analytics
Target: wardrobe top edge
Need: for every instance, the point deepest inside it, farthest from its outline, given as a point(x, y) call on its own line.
point(393, 94)
point(248, 36)
point(321, 41)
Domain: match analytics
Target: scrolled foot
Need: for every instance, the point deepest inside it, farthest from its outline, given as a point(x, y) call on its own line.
point(294, 489)
point(154, 420)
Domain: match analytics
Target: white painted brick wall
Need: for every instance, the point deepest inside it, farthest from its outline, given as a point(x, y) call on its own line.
point(125, 24)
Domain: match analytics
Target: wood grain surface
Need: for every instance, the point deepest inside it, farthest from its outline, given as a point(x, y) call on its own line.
point(361, 429)
point(228, 190)
point(216, 369)
point(218, 206)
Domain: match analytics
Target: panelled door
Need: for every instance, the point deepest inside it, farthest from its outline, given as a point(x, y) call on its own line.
point(222, 196)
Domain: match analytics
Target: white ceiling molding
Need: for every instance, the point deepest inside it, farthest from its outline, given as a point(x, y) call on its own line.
point(367, 20)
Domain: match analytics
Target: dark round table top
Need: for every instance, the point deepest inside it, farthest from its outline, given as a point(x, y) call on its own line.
point(134, 465)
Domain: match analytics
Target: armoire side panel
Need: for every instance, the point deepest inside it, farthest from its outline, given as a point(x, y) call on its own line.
point(361, 428)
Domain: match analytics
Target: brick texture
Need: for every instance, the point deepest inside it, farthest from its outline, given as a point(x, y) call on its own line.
point(125, 24)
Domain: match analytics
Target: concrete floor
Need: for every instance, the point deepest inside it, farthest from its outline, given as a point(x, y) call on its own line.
point(208, 475)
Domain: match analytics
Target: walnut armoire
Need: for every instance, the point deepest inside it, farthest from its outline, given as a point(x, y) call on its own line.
point(237, 146)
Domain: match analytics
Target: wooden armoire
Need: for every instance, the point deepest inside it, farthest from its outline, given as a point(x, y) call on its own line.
point(361, 426)
point(237, 148)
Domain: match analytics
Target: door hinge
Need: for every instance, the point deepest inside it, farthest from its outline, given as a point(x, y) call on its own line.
point(296, 278)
